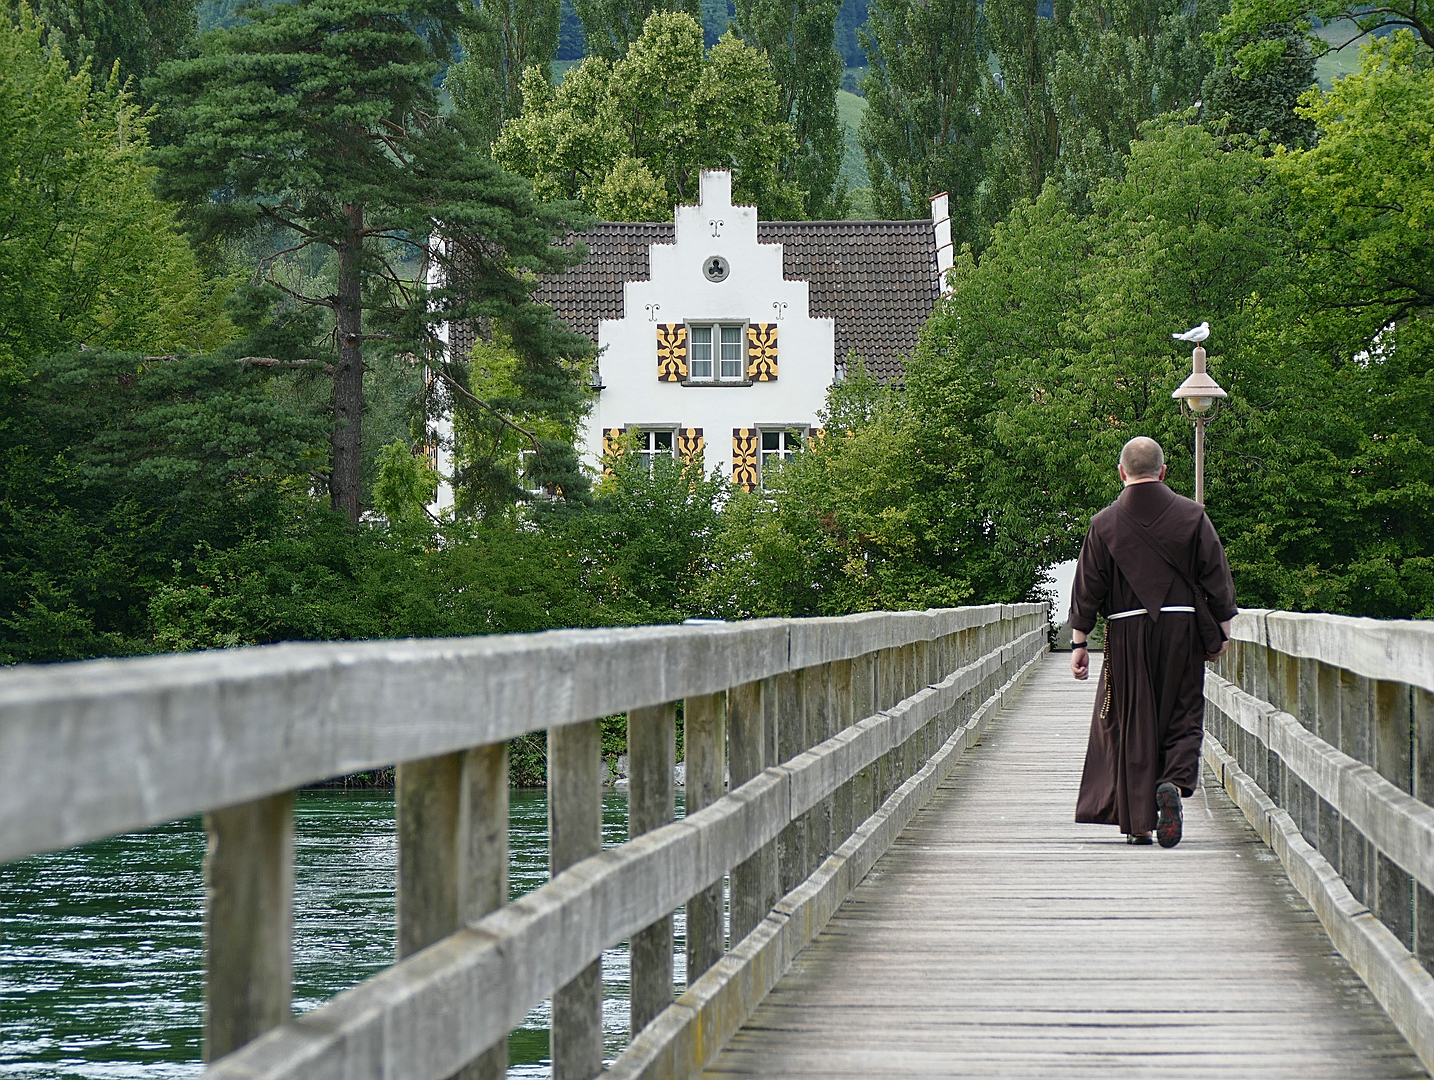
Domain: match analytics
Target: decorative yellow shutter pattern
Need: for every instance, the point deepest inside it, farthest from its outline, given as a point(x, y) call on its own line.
point(690, 445)
point(671, 352)
point(762, 352)
point(744, 458)
point(611, 447)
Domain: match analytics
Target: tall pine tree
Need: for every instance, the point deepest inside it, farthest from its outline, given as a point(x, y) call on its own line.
point(317, 122)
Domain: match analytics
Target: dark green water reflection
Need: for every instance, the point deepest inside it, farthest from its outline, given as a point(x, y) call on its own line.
point(100, 946)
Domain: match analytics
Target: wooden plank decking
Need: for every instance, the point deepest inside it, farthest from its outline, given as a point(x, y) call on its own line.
point(999, 939)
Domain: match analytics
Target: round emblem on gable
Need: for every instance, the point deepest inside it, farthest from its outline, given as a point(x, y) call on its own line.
point(715, 268)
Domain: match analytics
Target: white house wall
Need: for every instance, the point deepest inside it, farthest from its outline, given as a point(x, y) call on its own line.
point(678, 292)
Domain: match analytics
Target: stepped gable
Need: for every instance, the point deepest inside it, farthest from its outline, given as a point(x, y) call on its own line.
point(877, 279)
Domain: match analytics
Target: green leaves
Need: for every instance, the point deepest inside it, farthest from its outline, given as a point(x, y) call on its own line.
point(633, 136)
point(797, 36)
point(1311, 267)
point(920, 131)
point(315, 125)
point(88, 255)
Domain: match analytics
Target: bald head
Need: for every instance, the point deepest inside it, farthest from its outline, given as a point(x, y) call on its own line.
point(1142, 459)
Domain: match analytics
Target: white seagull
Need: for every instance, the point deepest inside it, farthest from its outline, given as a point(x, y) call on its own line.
point(1199, 333)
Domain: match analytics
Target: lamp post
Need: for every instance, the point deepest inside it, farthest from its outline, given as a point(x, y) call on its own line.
point(1199, 397)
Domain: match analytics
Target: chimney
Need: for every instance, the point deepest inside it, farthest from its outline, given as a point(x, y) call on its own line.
point(945, 250)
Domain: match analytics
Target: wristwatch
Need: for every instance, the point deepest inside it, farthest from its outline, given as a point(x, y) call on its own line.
point(1078, 645)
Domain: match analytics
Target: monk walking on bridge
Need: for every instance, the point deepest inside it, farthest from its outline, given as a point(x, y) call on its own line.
point(1153, 565)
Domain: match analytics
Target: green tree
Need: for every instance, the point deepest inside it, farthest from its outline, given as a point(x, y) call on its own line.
point(879, 511)
point(629, 139)
point(611, 27)
point(88, 256)
point(798, 38)
point(1025, 133)
point(1252, 31)
point(114, 469)
point(1266, 100)
point(921, 132)
point(1055, 349)
point(1116, 67)
point(1063, 350)
point(509, 37)
point(138, 35)
point(318, 123)
point(1364, 196)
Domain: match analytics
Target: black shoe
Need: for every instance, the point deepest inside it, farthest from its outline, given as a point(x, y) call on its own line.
point(1141, 838)
point(1168, 825)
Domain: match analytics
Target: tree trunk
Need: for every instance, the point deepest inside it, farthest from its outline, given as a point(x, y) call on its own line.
point(344, 485)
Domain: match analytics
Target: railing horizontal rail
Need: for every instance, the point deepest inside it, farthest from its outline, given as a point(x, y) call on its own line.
point(1321, 727)
point(1395, 822)
point(428, 1015)
point(107, 746)
point(1390, 650)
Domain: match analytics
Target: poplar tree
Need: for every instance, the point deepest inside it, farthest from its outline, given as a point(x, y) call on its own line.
point(1117, 67)
point(139, 35)
point(507, 38)
point(921, 132)
point(798, 37)
point(318, 123)
point(1025, 134)
point(611, 26)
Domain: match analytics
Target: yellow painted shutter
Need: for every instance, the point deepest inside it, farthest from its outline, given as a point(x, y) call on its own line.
point(671, 352)
point(744, 458)
point(690, 445)
point(762, 352)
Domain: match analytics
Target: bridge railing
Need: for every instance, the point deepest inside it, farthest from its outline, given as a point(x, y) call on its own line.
point(1322, 729)
point(809, 743)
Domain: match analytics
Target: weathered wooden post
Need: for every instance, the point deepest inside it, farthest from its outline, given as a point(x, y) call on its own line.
point(705, 743)
point(452, 816)
point(841, 711)
point(651, 804)
point(1422, 711)
point(1390, 737)
point(1354, 850)
point(792, 841)
point(863, 693)
point(248, 921)
point(574, 833)
point(820, 726)
point(746, 758)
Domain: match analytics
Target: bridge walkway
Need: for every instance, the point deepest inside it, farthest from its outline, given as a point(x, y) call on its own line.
point(999, 939)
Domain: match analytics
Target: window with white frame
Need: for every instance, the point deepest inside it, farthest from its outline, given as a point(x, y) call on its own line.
point(527, 456)
point(655, 443)
point(778, 445)
point(715, 353)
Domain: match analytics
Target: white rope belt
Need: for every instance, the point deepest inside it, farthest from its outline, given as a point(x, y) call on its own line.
point(1142, 611)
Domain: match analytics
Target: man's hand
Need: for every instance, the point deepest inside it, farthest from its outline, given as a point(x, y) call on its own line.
point(1224, 645)
point(1080, 663)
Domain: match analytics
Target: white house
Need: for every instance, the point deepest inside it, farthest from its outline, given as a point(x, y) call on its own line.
point(720, 333)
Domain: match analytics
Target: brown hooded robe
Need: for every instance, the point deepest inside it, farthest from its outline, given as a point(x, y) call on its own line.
point(1149, 705)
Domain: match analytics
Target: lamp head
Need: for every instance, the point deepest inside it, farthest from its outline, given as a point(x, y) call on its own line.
point(1199, 392)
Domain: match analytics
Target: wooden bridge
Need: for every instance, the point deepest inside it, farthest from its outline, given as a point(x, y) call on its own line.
point(868, 891)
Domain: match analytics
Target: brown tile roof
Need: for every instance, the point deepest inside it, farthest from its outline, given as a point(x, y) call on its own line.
point(877, 279)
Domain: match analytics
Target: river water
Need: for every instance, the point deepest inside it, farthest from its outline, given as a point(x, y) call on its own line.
point(101, 963)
